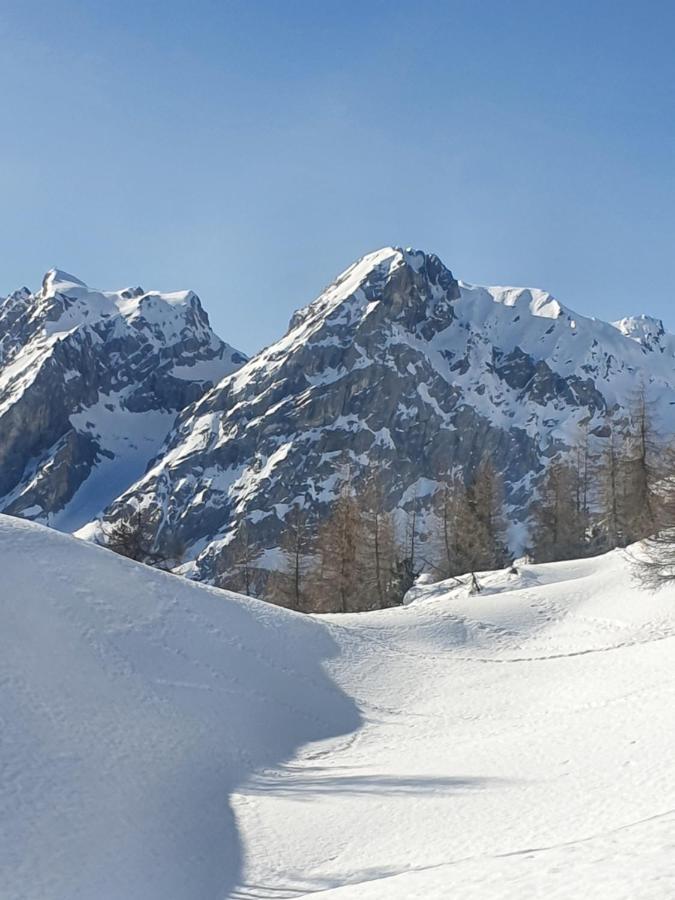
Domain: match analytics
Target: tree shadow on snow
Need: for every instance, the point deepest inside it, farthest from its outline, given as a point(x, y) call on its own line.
point(311, 781)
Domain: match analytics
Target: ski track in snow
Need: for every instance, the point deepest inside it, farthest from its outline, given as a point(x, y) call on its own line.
point(162, 740)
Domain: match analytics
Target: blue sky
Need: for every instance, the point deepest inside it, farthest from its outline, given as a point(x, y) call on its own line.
point(252, 150)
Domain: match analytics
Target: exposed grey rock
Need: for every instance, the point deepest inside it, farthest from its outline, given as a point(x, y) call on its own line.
point(90, 383)
point(400, 367)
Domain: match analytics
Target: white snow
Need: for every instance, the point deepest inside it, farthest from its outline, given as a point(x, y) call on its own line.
point(132, 704)
point(516, 744)
point(163, 739)
point(133, 439)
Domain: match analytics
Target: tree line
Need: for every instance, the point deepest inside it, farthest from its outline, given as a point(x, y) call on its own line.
point(610, 490)
point(365, 556)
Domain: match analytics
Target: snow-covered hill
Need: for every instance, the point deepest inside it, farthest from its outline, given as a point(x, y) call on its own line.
point(516, 744)
point(132, 704)
point(162, 739)
point(90, 383)
point(397, 366)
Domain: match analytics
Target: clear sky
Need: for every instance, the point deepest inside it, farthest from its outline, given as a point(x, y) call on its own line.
point(252, 149)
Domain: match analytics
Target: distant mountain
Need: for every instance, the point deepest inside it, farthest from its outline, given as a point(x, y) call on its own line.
point(90, 383)
point(401, 366)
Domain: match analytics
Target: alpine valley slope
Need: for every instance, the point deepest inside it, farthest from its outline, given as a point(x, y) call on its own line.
point(90, 384)
point(401, 368)
point(164, 739)
point(516, 744)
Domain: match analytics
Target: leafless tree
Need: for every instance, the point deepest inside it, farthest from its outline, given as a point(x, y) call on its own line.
point(653, 559)
point(471, 523)
point(640, 472)
point(450, 502)
point(288, 586)
point(610, 515)
point(486, 518)
point(238, 566)
point(134, 535)
point(337, 580)
point(560, 525)
point(380, 548)
point(585, 462)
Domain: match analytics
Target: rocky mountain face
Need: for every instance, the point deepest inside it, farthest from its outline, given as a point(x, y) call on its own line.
point(399, 367)
point(90, 384)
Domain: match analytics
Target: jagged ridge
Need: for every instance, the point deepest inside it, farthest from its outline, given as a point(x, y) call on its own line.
point(90, 383)
point(396, 365)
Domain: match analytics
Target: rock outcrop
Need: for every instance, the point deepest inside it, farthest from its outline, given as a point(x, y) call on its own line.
point(90, 384)
point(397, 366)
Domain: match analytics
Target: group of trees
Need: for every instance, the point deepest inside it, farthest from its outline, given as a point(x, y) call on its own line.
point(366, 556)
point(607, 493)
point(353, 560)
point(471, 533)
point(134, 535)
point(612, 489)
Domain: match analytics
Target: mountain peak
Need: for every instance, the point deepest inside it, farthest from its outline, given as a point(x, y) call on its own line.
point(58, 281)
point(96, 378)
point(646, 330)
point(385, 275)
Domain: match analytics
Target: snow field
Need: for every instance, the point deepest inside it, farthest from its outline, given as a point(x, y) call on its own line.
point(515, 744)
point(162, 739)
point(132, 703)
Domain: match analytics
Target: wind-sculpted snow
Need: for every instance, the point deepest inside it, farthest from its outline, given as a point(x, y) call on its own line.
point(90, 383)
point(133, 703)
point(163, 740)
point(398, 367)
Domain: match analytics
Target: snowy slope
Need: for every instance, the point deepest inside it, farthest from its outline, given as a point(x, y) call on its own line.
point(132, 704)
point(401, 367)
point(165, 740)
point(516, 744)
point(90, 384)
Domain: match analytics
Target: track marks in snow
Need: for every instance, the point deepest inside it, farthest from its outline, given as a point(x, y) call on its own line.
point(486, 781)
point(568, 655)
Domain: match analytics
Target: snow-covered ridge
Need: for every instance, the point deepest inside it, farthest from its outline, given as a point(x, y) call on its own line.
point(537, 302)
point(514, 317)
point(646, 330)
point(30, 325)
point(64, 302)
point(398, 365)
point(90, 382)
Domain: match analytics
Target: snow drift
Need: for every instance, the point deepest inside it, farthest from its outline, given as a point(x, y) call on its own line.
point(132, 704)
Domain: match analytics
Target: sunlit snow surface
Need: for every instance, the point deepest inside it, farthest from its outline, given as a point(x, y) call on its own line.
point(166, 740)
point(132, 704)
point(515, 744)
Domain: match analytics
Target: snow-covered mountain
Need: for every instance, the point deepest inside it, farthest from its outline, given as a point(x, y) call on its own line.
point(164, 740)
point(398, 365)
point(90, 383)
